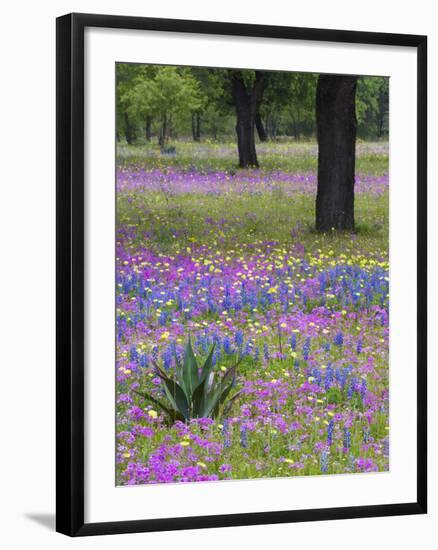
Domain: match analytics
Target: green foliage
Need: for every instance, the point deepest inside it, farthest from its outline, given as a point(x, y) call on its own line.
point(372, 106)
point(164, 95)
point(164, 99)
point(195, 393)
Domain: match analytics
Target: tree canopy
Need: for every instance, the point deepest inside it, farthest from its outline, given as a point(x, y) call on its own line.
point(197, 103)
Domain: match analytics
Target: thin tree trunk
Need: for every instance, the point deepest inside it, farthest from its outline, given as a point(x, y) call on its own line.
point(246, 103)
point(260, 128)
point(129, 130)
point(162, 139)
point(196, 127)
point(193, 127)
point(148, 128)
point(295, 127)
point(336, 132)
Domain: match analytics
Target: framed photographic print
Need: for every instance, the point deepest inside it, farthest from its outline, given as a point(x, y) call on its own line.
point(241, 274)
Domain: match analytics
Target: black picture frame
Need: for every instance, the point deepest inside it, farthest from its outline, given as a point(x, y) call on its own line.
point(70, 273)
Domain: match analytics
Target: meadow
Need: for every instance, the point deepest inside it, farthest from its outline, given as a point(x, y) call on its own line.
point(230, 258)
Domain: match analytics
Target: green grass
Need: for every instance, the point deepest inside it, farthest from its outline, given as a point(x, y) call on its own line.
point(175, 222)
point(295, 157)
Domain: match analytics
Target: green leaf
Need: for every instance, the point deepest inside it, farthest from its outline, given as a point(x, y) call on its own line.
point(228, 406)
point(208, 365)
point(169, 412)
point(225, 390)
point(229, 375)
point(190, 370)
point(211, 400)
point(176, 394)
point(180, 375)
point(198, 400)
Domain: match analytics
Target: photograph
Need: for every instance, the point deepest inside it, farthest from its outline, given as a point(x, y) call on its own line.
point(252, 274)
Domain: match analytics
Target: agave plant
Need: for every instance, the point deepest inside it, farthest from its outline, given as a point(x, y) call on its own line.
point(196, 392)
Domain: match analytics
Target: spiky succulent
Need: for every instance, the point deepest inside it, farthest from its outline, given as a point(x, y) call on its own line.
point(195, 392)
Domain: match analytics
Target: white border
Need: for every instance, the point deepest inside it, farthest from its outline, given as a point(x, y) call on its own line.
point(104, 501)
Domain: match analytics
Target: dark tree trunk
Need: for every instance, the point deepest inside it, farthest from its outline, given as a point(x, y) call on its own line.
point(162, 138)
point(196, 126)
point(336, 132)
point(260, 128)
point(246, 103)
point(148, 128)
point(296, 131)
point(129, 130)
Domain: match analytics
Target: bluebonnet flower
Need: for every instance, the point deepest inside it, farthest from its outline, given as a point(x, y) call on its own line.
point(347, 439)
point(363, 388)
point(338, 340)
point(226, 344)
point(266, 351)
point(133, 355)
point(329, 375)
point(238, 338)
point(330, 429)
point(226, 434)
point(324, 461)
point(306, 349)
point(293, 342)
point(167, 358)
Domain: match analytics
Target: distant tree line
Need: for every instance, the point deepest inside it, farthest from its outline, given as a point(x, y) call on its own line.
point(165, 102)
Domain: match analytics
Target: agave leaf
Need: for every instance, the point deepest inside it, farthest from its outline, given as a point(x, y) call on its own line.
point(179, 372)
point(229, 375)
point(190, 370)
point(225, 393)
point(211, 400)
point(208, 365)
point(225, 390)
point(176, 394)
point(171, 413)
point(198, 399)
point(230, 402)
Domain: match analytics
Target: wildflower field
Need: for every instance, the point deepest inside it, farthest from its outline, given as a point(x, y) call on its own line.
point(229, 259)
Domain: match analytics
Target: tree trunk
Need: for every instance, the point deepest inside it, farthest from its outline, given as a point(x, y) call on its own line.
point(129, 130)
point(260, 128)
point(196, 127)
point(162, 138)
point(148, 128)
point(336, 132)
point(295, 128)
point(246, 103)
